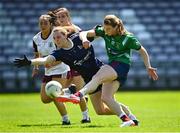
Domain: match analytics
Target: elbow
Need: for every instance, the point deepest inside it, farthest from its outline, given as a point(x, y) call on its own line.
point(82, 35)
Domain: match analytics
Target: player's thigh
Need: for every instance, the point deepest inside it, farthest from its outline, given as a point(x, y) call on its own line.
point(63, 81)
point(109, 89)
point(44, 97)
point(105, 74)
point(78, 81)
point(68, 83)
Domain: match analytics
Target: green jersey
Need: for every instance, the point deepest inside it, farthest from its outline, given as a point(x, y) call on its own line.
point(118, 47)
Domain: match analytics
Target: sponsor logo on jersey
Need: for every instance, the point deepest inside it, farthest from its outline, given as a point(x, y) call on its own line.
point(51, 44)
point(80, 47)
point(80, 62)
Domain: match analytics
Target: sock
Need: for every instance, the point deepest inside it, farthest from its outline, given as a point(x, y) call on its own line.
point(66, 91)
point(65, 118)
point(132, 117)
point(124, 117)
point(85, 114)
point(90, 86)
point(82, 92)
point(72, 89)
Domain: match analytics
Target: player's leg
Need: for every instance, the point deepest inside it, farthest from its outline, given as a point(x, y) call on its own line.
point(79, 83)
point(61, 106)
point(106, 73)
point(129, 113)
point(44, 97)
point(99, 106)
point(108, 91)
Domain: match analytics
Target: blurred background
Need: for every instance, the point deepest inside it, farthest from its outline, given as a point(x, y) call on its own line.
point(156, 24)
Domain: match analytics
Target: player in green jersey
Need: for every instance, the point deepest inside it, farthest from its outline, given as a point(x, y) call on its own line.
point(119, 43)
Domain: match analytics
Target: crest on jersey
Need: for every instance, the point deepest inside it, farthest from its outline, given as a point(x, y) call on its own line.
point(51, 44)
point(80, 47)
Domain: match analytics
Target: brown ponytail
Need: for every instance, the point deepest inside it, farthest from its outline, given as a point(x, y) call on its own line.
point(53, 17)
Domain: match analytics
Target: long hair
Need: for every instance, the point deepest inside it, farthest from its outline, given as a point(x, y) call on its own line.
point(114, 21)
point(53, 14)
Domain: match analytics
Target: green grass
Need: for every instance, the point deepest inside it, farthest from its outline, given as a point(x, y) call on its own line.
point(157, 111)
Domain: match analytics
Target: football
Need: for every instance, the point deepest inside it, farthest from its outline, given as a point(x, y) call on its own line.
point(53, 89)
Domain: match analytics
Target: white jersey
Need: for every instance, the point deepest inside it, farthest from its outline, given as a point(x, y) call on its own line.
point(46, 47)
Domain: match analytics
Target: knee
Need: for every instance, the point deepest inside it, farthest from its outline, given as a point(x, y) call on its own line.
point(99, 112)
point(45, 100)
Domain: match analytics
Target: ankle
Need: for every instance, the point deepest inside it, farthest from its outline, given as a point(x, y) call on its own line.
point(124, 118)
point(78, 94)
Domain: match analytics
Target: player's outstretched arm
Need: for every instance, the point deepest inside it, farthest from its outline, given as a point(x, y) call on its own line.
point(151, 71)
point(22, 62)
point(83, 36)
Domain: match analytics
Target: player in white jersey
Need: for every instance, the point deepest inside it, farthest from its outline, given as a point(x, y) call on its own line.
point(62, 18)
point(43, 46)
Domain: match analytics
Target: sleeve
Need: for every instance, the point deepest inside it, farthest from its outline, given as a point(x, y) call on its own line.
point(35, 47)
point(134, 43)
point(99, 30)
point(90, 39)
point(57, 55)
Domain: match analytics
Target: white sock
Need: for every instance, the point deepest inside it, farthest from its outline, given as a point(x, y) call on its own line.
point(89, 87)
point(65, 118)
point(66, 91)
point(132, 117)
point(121, 115)
point(83, 92)
point(85, 114)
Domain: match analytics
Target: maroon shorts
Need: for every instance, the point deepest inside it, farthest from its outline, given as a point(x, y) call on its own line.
point(72, 73)
point(46, 79)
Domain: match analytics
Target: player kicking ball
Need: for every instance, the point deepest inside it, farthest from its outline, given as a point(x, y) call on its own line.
point(70, 50)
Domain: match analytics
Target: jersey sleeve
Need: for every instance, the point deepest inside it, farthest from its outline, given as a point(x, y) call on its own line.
point(99, 30)
point(35, 47)
point(133, 43)
point(57, 55)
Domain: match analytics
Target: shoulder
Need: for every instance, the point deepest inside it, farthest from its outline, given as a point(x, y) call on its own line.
point(57, 53)
point(130, 35)
point(74, 36)
point(37, 36)
point(133, 42)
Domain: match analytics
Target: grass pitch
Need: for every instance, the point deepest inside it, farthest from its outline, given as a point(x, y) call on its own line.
point(157, 112)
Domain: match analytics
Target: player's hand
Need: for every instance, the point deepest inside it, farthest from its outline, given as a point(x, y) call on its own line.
point(20, 62)
point(86, 44)
point(152, 73)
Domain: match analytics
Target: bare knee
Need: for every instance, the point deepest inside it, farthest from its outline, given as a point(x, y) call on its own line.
point(100, 112)
point(45, 100)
